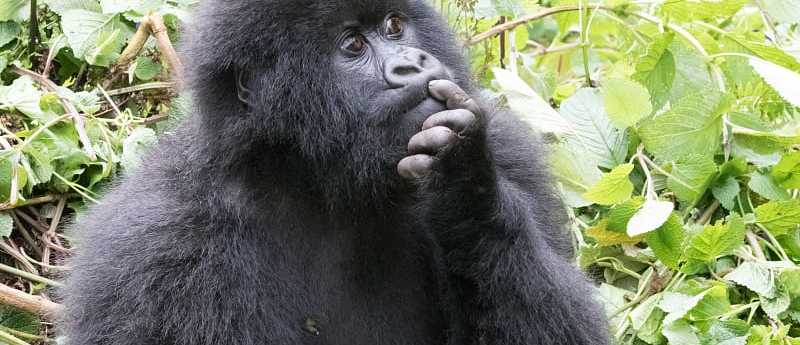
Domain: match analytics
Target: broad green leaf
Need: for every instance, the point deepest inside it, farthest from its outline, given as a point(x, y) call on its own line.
point(728, 332)
point(773, 306)
point(693, 126)
point(726, 192)
point(593, 131)
point(691, 177)
point(613, 188)
point(147, 69)
point(8, 32)
point(620, 215)
point(91, 35)
point(667, 241)
point(607, 238)
point(612, 298)
point(644, 310)
point(24, 97)
point(575, 174)
point(779, 217)
point(19, 320)
point(61, 6)
point(15, 10)
point(649, 217)
point(783, 80)
point(689, 10)
point(677, 305)
point(784, 11)
point(692, 75)
point(141, 7)
point(6, 224)
point(626, 102)
point(715, 303)
point(755, 277)
point(766, 186)
point(787, 171)
point(717, 240)
point(528, 105)
point(656, 69)
point(760, 50)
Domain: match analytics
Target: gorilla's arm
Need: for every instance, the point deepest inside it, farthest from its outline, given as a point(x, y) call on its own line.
point(490, 210)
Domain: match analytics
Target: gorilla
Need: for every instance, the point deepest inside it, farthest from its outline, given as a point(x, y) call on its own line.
point(338, 180)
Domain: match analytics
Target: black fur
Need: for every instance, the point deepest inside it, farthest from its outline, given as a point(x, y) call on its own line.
point(275, 214)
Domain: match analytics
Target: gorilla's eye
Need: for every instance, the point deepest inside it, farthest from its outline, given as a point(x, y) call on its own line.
point(355, 44)
point(394, 26)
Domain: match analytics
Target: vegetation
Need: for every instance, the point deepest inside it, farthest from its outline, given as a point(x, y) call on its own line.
point(673, 129)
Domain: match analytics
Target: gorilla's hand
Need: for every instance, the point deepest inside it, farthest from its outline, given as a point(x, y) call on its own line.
point(449, 138)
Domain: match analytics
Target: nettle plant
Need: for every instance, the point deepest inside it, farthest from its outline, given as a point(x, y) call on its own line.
point(675, 137)
point(84, 88)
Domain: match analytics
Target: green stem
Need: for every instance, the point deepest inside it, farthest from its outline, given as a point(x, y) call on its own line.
point(29, 276)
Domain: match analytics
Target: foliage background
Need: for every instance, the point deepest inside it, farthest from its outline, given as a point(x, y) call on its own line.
point(672, 128)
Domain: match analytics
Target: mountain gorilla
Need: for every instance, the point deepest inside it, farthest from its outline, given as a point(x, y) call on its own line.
point(339, 181)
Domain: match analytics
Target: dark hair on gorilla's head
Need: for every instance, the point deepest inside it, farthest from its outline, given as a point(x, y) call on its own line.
point(270, 82)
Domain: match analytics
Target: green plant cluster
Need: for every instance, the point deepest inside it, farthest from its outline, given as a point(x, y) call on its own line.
point(72, 116)
point(674, 134)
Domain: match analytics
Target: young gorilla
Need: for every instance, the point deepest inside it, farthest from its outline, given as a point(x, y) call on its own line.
point(339, 182)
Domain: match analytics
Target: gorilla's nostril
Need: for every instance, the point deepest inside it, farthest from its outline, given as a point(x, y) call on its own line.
point(406, 70)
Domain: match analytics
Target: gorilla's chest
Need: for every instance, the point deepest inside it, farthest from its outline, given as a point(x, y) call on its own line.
point(357, 285)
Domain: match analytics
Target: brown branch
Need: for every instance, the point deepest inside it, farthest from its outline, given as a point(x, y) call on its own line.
point(510, 25)
point(33, 201)
point(80, 126)
point(28, 302)
point(136, 43)
point(159, 31)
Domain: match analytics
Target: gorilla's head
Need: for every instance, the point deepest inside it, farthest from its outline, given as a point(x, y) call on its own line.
point(340, 85)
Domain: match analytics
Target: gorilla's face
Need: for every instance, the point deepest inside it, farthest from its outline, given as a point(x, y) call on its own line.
point(343, 84)
point(386, 65)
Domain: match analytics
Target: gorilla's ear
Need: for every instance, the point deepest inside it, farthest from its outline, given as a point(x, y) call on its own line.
point(243, 93)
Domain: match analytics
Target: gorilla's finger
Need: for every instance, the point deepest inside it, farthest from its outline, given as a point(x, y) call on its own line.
point(457, 120)
point(452, 94)
point(416, 166)
point(431, 140)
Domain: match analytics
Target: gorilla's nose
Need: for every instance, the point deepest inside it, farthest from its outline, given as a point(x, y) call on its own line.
point(411, 67)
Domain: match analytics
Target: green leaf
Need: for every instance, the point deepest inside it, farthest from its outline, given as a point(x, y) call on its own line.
point(620, 215)
point(767, 52)
point(781, 79)
point(24, 97)
point(775, 305)
point(714, 304)
point(651, 216)
point(717, 240)
point(784, 11)
point(528, 105)
point(779, 217)
point(6, 224)
point(141, 7)
point(8, 32)
point(607, 238)
point(677, 305)
point(755, 277)
point(16, 10)
point(575, 174)
point(692, 126)
point(626, 101)
point(687, 11)
point(667, 241)
point(656, 69)
point(593, 131)
point(787, 171)
point(765, 186)
point(94, 36)
point(613, 188)
point(726, 192)
point(19, 320)
point(147, 69)
point(691, 177)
